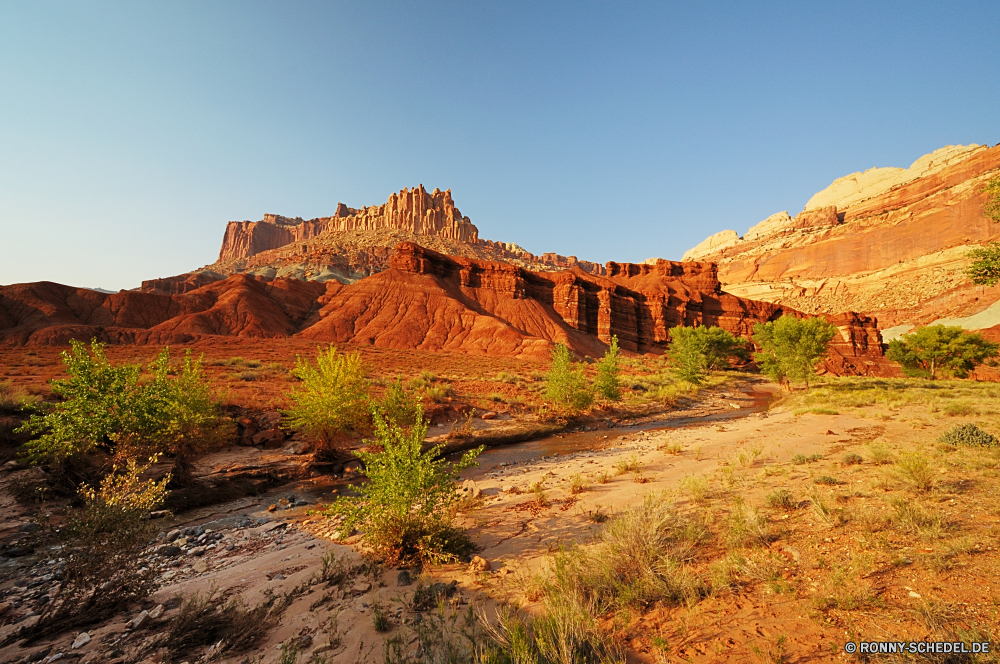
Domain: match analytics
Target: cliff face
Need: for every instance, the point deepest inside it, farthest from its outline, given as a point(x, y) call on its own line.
point(887, 242)
point(413, 211)
point(426, 301)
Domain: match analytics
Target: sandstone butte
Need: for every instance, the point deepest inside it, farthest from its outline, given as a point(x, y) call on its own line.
point(353, 243)
point(888, 242)
point(428, 301)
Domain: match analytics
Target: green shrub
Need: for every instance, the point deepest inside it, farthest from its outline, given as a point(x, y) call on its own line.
point(565, 384)
point(398, 405)
point(687, 355)
point(113, 408)
point(791, 347)
point(607, 384)
point(101, 546)
point(827, 480)
point(800, 459)
point(984, 270)
point(333, 396)
point(968, 435)
point(852, 459)
point(940, 348)
point(15, 400)
point(781, 498)
point(403, 508)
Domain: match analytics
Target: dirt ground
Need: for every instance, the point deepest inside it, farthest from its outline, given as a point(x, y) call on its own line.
point(858, 549)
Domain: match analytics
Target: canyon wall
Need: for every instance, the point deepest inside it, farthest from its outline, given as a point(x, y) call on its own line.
point(411, 210)
point(887, 242)
point(426, 300)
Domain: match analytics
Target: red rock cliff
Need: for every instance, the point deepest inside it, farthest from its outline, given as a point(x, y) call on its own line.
point(411, 210)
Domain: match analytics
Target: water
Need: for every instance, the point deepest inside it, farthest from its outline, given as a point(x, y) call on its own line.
point(585, 441)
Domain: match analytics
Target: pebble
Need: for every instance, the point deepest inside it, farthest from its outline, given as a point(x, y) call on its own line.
point(80, 641)
point(403, 578)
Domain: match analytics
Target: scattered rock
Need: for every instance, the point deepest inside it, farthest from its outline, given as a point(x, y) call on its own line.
point(471, 489)
point(198, 551)
point(156, 612)
point(914, 594)
point(403, 578)
point(169, 550)
point(200, 567)
point(479, 565)
point(488, 415)
point(139, 621)
point(39, 655)
point(29, 528)
point(172, 535)
point(304, 641)
point(361, 587)
point(278, 577)
point(159, 514)
point(4, 607)
point(19, 551)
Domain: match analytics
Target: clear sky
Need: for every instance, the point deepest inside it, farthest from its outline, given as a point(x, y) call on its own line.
point(131, 132)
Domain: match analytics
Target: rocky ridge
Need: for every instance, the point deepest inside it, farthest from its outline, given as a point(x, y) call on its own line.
point(887, 242)
point(428, 301)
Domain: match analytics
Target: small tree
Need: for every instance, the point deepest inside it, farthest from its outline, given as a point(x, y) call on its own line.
point(940, 348)
point(113, 408)
point(688, 354)
point(790, 347)
point(721, 346)
point(333, 397)
point(565, 384)
point(607, 383)
point(403, 510)
point(399, 406)
point(985, 267)
point(992, 191)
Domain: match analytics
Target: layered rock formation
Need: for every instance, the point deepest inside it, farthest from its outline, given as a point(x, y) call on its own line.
point(427, 301)
point(414, 211)
point(887, 242)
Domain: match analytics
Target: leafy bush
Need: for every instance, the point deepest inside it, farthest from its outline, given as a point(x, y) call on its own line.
point(565, 384)
point(403, 509)
point(15, 400)
point(687, 355)
point(102, 542)
point(948, 349)
point(984, 270)
point(969, 435)
point(398, 405)
point(852, 459)
point(790, 347)
point(333, 396)
point(110, 407)
point(696, 349)
point(607, 383)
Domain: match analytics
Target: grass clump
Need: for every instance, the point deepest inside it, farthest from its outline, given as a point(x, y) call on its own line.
point(15, 400)
point(578, 484)
point(968, 435)
point(879, 454)
point(781, 498)
point(638, 558)
point(800, 459)
point(828, 480)
point(852, 459)
point(746, 526)
point(403, 510)
point(915, 470)
point(630, 465)
point(541, 498)
point(696, 486)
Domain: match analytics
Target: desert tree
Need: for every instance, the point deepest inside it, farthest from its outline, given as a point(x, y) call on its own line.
point(607, 383)
point(791, 347)
point(943, 349)
point(565, 383)
point(333, 396)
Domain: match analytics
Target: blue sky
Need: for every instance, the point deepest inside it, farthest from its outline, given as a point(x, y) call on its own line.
point(131, 132)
